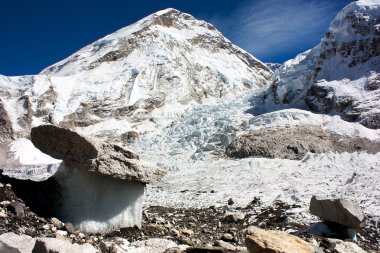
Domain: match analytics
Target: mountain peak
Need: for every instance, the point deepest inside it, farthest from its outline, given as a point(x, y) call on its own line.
point(166, 11)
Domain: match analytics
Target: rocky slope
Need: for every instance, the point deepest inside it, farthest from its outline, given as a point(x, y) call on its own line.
point(342, 73)
point(148, 72)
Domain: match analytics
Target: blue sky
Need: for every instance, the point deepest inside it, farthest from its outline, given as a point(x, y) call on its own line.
point(38, 33)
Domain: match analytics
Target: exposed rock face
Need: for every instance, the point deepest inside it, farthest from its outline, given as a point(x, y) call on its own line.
point(294, 143)
point(341, 73)
point(6, 130)
point(95, 156)
point(275, 242)
point(341, 211)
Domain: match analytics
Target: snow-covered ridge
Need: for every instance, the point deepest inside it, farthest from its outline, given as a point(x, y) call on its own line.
point(340, 74)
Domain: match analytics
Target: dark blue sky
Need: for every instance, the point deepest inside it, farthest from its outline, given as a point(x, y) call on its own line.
point(38, 33)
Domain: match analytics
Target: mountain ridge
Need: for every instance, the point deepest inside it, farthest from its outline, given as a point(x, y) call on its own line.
point(340, 74)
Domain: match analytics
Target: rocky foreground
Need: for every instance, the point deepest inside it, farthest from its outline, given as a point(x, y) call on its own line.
point(222, 229)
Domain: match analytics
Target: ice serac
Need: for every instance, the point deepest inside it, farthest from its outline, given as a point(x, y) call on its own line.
point(342, 73)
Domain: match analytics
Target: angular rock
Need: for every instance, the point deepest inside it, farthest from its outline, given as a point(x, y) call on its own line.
point(187, 232)
point(17, 208)
point(92, 155)
point(275, 242)
point(57, 223)
point(69, 227)
point(342, 211)
point(225, 245)
point(48, 245)
point(155, 245)
point(233, 217)
point(13, 243)
point(340, 246)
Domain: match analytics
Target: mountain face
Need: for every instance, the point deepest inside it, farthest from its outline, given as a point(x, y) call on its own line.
point(342, 73)
point(147, 72)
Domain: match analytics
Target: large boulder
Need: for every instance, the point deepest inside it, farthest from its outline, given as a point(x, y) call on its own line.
point(47, 245)
point(275, 242)
point(92, 155)
point(13, 243)
point(342, 211)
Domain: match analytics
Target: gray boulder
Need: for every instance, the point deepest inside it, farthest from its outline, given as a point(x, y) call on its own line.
point(341, 211)
point(47, 245)
point(13, 243)
point(92, 155)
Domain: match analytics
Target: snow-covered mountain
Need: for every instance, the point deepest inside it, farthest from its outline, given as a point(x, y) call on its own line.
point(147, 72)
point(183, 92)
point(342, 73)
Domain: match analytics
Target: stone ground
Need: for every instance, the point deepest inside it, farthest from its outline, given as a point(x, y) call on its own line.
point(223, 226)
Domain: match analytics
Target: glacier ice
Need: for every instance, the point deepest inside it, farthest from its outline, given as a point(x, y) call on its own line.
point(98, 204)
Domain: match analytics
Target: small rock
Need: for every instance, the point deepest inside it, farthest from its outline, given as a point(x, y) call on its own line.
point(173, 250)
point(187, 232)
point(159, 220)
point(227, 237)
point(57, 223)
point(3, 214)
point(8, 185)
point(154, 245)
point(81, 235)
point(61, 232)
point(174, 232)
point(230, 202)
point(46, 227)
point(233, 217)
point(224, 245)
point(4, 203)
point(17, 208)
point(69, 228)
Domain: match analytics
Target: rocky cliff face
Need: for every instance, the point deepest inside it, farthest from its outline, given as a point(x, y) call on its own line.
point(341, 74)
point(149, 71)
